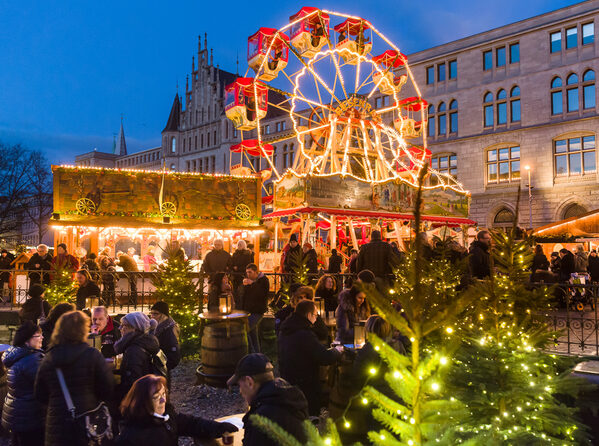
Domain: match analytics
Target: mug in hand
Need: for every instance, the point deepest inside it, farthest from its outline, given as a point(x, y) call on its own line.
point(228, 438)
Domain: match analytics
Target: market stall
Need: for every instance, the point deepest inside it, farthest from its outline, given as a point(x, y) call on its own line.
point(569, 233)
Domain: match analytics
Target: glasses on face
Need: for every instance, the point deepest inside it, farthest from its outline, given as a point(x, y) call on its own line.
point(39, 335)
point(159, 396)
point(154, 313)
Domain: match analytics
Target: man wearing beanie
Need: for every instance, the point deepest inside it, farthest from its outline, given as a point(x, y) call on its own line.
point(167, 333)
point(33, 308)
point(293, 255)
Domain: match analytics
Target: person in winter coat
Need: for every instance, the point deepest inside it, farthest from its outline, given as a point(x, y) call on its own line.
point(149, 421)
point(292, 257)
point(270, 397)
point(326, 289)
point(593, 267)
point(216, 261)
point(6, 259)
point(301, 354)
point(129, 265)
point(240, 259)
point(581, 260)
point(311, 260)
point(33, 307)
point(219, 285)
point(86, 374)
point(335, 262)
point(107, 274)
point(87, 288)
point(64, 260)
point(352, 265)
point(254, 300)
point(300, 294)
point(554, 262)
point(39, 266)
point(167, 332)
point(567, 265)
point(539, 261)
point(108, 330)
point(352, 309)
point(376, 256)
point(138, 347)
point(480, 258)
point(48, 326)
point(3, 386)
point(92, 266)
point(149, 259)
point(22, 415)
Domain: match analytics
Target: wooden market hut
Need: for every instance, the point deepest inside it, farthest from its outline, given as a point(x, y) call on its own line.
point(568, 233)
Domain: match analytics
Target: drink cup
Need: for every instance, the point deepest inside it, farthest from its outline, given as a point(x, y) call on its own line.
point(228, 438)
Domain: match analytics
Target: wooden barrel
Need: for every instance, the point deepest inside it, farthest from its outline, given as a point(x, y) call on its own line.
point(268, 337)
point(224, 342)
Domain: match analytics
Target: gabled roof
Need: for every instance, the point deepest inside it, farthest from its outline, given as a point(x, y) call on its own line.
point(172, 125)
point(585, 225)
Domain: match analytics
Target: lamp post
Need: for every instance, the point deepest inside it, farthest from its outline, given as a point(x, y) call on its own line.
point(527, 168)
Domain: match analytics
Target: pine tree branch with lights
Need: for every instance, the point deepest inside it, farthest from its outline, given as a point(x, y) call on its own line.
point(174, 285)
point(62, 287)
point(284, 438)
point(511, 388)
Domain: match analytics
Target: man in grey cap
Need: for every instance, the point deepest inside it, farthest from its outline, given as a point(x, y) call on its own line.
point(270, 397)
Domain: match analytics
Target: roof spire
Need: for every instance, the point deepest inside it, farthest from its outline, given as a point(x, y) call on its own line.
point(205, 41)
point(193, 63)
point(187, 83)
point(211, 63)
point(122, 143)
point(172, 124)
point(199, 43)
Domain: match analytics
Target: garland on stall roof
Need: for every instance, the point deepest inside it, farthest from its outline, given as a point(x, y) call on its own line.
point(152, 215)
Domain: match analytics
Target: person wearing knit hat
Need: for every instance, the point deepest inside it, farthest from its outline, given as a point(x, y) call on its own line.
point(167, 333)
point(36, 306)
point(138, 347)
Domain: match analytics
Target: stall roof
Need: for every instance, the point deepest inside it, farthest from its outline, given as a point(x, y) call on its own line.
point(369, 214)
point(585, 225)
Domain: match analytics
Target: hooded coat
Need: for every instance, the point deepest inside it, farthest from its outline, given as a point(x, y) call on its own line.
point(280, 402)
point(137, 349)
point(311, 259)
point(32, 309)
point(167, 333)
point(88, 379)
point(22, 412)
point(300, 358)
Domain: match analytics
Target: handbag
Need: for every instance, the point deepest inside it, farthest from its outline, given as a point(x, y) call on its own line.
point(95, 425)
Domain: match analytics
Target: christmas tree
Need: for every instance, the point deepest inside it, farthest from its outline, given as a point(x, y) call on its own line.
point(62, 287)
point(314, 438)
point(509, 385)
point(174, 285)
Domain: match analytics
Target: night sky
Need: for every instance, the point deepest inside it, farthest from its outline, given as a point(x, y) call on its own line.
point(69, 68)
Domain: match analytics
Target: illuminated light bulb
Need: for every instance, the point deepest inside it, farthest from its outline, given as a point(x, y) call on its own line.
point(505, 414)
point(410, 442)
point(435, 386)
point(532, 384)
point(327, 441)
point(396, 374)
point(412, 421)
point(346, 424)
point(372, 371)
point(443, 360)
point(519, 409)
point(364, 401)
point(449, 330)
point(382, 437)
point(377, 348)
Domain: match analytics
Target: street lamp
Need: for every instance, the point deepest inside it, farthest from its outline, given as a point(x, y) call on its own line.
point(527, 168)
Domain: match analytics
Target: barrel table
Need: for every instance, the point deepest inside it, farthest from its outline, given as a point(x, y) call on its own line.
point(223, 343)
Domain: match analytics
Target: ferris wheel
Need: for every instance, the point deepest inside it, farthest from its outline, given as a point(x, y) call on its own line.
point(354, 105)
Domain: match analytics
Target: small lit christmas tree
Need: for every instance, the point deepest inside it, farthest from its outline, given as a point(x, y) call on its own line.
point(62, 287)
point(174, 285)
point(509, 385)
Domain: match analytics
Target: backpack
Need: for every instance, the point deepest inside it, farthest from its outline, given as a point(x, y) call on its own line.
point(158, 364)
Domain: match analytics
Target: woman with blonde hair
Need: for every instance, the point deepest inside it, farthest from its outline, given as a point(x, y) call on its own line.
point(86, 375)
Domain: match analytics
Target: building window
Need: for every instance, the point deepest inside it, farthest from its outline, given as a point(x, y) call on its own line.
point(571, 37)
point(588, 89)
point(196, 142)
point(487, 60)
point(202, 140)
point(173, 166)
point(431, 120)
point(215, 142)
point(445, 163)
point(504, 219)
point(515, 104)
point(441, 72)
point(488, 110)
point(453, 116)
point(556, 41)
point(500, 56)
point(588, 33)
point(267, 129)
point(174, 145)
point(503, 165)
point(574, 210)
point(514, 53)
point(441, 119)
point(556, 96)
point(430, 75)
point(572, 93)
point(501, 107)
point(453, 69)
point(575, 156)
point(208, 139)
point(213, 163)
point(283, 125)
point(278, 127)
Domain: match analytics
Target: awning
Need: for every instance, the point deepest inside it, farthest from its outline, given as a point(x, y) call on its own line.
point(585, 225)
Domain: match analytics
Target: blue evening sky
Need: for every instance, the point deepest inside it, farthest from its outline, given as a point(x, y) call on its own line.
point(69, 68)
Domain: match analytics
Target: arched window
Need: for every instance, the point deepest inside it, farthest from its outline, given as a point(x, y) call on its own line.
point(515, 111)
point(504, 219)
point(575, 155)
point(574, 210)
point(488, 110)
point(501, 107)
point(174, 145)
point(453, 116)
point(572, 93)
point(501, 94)
point(572, 79)
point(173, 167)
point(588, 90)
point(431, 120)
point(441, 120)
point(557, 107)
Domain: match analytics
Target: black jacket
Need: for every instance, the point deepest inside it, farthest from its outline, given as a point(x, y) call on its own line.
point(255, 295)
point(138, 350)
point(567, 266)
point(311, 260)
point(47, 329)
point(239, 260)
point(593, 268)
point(88, 379)
point(329, 296)
point(539, 261)
point(292, 258)
point(45, 264)
point(167, 333)
point(347, 316)
point(335, 263)
point(32, 309)
point(90, 289)
point(320, 328)
point(110, 335)
point(300, 357)
point(479, 260)
point(216, 261)
point(376, 256)
point(280, 402)
point(22, 412)
point(154, 431)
